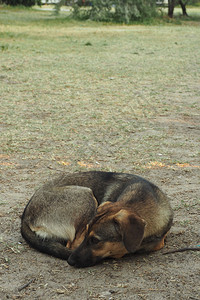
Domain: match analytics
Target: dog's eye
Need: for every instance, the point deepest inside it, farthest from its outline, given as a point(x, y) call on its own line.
point(94, 240)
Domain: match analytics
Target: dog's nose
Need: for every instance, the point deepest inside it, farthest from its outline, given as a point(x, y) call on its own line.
point(71, 261)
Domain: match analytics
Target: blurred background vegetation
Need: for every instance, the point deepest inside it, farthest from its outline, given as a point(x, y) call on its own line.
point(126, 11)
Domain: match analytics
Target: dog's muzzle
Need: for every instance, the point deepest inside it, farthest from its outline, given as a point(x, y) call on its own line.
point(82, 259)
point(71, 261)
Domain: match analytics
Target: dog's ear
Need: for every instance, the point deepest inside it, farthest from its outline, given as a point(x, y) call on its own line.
point(104, 207)
point(131, 228)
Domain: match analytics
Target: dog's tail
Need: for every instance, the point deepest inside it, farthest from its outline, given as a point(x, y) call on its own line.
point(51, 246)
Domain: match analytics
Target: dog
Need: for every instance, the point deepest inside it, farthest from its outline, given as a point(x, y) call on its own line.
point(86, 217)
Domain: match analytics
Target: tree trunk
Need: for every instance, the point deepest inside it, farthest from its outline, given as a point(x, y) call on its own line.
point(171, 4)
point(183, 6)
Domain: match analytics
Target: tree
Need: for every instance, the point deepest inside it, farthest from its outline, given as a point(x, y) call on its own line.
point(27, 3)
point(124, 11)
point(183, 6)
point(182, 3)
point(171, 5)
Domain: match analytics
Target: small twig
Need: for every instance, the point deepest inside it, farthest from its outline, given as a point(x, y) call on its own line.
point(197, 248)
point(51, 168)
point(25, 285)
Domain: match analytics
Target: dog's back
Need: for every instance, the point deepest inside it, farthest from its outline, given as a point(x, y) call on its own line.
point(106, 186)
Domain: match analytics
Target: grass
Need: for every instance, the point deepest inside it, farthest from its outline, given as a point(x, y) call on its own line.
point(92, 93)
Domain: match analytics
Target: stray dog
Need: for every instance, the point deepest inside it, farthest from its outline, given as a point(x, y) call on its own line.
point(88, 216)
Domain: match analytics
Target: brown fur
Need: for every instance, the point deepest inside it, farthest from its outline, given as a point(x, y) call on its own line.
point(86, 217)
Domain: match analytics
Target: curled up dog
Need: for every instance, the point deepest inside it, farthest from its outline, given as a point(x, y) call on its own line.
point(88, 216)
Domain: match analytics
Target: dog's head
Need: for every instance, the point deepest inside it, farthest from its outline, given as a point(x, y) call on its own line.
point(114, 232)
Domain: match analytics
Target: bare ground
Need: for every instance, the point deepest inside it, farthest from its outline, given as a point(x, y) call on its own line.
point(152, 276)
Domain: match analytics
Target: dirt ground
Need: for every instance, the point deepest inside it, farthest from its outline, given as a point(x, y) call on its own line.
point(113, 98)
point(147, 276)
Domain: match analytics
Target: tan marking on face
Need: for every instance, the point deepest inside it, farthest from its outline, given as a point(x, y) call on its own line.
point(110, 249)
point(93, 234)
point(69, 243)
point(78, 239)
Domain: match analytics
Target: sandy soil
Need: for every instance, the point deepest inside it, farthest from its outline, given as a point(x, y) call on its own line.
point(147, 276)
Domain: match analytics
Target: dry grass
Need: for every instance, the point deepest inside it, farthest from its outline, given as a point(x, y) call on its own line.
point(91, 93)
